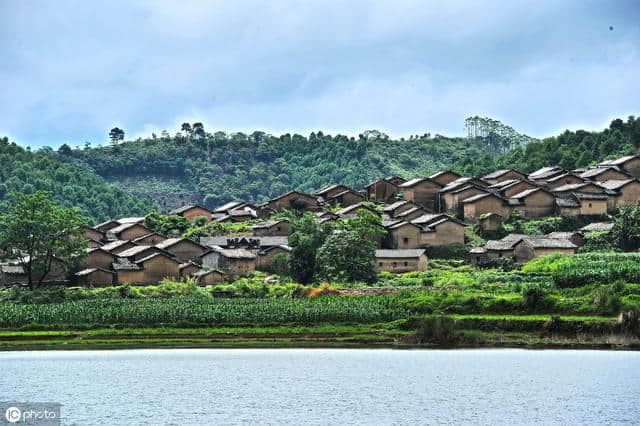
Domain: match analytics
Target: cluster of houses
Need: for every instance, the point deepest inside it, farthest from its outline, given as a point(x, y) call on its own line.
point(417, 214)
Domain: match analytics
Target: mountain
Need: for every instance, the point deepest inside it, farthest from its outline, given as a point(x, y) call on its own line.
point(71, 183)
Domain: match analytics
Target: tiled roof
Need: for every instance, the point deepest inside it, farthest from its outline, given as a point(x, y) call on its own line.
point(598, 226)
point(400, 253)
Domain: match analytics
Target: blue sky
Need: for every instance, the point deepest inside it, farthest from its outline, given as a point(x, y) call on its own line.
point(71, 70)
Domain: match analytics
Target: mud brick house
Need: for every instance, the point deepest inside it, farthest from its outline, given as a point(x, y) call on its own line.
point(118, 246)
point(490, 221)
point(445, 178)
point(383, 190)
point(106, 226)
point(491, 252)
point(451, 197)
point(265, 257)
point(157, 267)
point(96, 277)
point(422, 191)
point(587, 187)
point(94, 235)
point(629, 164)
point(183, 249)
point(237, 215)
point(564, 179)
point(598, 227)
point(533, 247)
point(294, 200)
point(352, 211)
point(568, 205)
point(128, 231)
point(138, 252)
point(128, 272)
point(187, 269)
point(593, 204)
point(509, 188)
point(236, 261)
point(99, 258)
point(626, 192)
point(576, 237)
point(545, 173)
point(10, 274)
point(536, 202)
point(392, 210)
point(331, 191)
point(402, 235)
point(280, 227)
point(192, 212)
point(482, 204)
point(412, 213)
point(502, 175)
point(150, 239)
point(401, 260)
point(605, 173)
point(440, 230)
point(346, 198)
point(207, 277)
point(250, 243)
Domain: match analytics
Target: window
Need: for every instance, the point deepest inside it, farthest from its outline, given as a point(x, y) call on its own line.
point(590, 205)
point(477, 258)
point(499, 254)
point(405, 240)
point(380, 264)
point(395, 264)
point(406, 263)
point(277, 228)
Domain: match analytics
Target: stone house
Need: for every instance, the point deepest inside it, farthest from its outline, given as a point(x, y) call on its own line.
point(601, 174)
point(422, 191)
point(630, 164)
point(150, 239)
point(445, 178)
point(402, 235)
point(536, 202)
point(481, 204)
point(236, 261)
point(626, 192)
point(265, 257)
point(95, 277)
point(207, 277)
point(192, 212)
point(383, 190)
point(295, 200)
point(280, 227)
point(400, 261)
point(502, 175)
point(183, 249)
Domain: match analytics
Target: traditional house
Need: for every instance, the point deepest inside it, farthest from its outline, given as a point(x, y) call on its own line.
point(294, 200)
point(253, 244)
point(502, 175)
point(422, 191)
point(99, 258)
point(383, 190)
point(451, 197)
point(545, 173)
point(490, 221)
point(331, 191)
point(352, 211)
point(157, 267)
point(232, 205)
point(192, 212)
point(601, 174)
point(106, 226)
point(598, 227)
point(402, 235)
point(138, 252)
point(234, 261)
point(481, 204)
point(132, 219)
point(443, 231)
point(346, 198)
point(492, 252)
point(412, 213)
point(566, 191)
point(575, 237)
point(183, 249)
point(593, 204)
point(626, 192)
point(128, 272)
point(392, 210)
point(630, 164)
point(568, 206)
point(207, 277)
point(92, 234)
point(280, 227)
point(187, 269)
point(509, 188)
point(150, 239)
point(564, 179)
point(13, 274)
point(445, 178)
point(243, 214)
point(118, 246)
point(95, 277)
point(401, 260)
point(128, 231)
point(533, 247)
point(536, 202)
point(265, 257)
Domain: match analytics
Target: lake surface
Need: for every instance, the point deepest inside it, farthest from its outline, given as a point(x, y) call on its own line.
point(308, 386)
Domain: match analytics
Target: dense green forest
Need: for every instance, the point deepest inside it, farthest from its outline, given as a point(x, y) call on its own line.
point(72, 184)
point(165, 171)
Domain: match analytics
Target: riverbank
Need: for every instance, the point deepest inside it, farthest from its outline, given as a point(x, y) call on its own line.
point(521, 332)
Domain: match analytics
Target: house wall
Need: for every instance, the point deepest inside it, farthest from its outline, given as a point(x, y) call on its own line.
point(99, 259)
point(452, 202)
point(511, 174)
point(610, 175)
point(424, 193)
point(238, 266)
point(151, 240)
point(212, 278)
point(381, 191)
point(133, 232)
point(400, 265)
point(348, 199)
point(544, 252)
point(281, 229)
point(99, 278)
point(188, 270)
point(567, 180)
point(196, 212)
point(92, 234)
point(446, 178)
point(491, 223)
point(632, 167)
point(185, 251)
point(568, 211)
point(485, 205)
point(629, 195)
point(517, 188)
point(264, 260)
point(449, 232)
point(130, 277)
point(523, 252)
point(405, 237)
point(593, 207)
point(285, 202)
point(539, 204)
point(158, 268)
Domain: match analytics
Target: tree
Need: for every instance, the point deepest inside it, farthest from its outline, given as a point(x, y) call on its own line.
point(65, 149)
point(626, 228)
point(116, 135)
point(36, 230)
point(198, 130)
point(186, 127)
point(348, 254)
point(306, 237)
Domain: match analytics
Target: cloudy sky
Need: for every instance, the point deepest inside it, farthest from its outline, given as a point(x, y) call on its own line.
point(71, 70)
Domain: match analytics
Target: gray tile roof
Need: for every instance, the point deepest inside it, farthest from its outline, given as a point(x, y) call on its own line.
point(598, 226)
point(400, 253)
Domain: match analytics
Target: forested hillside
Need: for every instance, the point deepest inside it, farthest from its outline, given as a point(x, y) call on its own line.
point(569, 150)
point(71, 183)
point(197, 166)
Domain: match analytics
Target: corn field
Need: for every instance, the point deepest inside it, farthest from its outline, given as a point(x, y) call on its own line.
point(202, 311)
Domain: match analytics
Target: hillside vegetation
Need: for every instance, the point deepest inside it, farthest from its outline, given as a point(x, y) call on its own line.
point(71, 184)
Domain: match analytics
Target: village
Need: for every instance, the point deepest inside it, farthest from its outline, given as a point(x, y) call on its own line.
point(416, 214)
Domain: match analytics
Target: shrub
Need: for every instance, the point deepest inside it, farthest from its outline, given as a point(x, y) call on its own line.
point(534, 298)
point(280, 264)
point(450, 251)
point(436, 329)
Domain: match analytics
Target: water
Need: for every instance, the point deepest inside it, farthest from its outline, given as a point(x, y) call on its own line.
point(308, 387)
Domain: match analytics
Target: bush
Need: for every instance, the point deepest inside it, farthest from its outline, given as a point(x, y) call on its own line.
point(280, 264)
point(451, 251)
point(436, 329)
